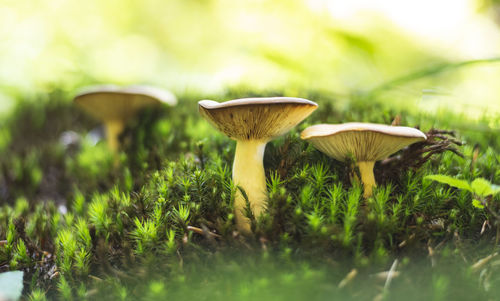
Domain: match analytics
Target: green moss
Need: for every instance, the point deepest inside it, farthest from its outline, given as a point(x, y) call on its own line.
point(84, 228)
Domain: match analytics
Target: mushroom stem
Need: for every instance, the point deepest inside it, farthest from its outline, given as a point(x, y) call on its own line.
point(113, 130)
point(367, 177)
point(248, 173)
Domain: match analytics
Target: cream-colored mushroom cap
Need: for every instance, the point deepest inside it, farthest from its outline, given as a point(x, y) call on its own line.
point(256, 118)
point(363, 141)
point(116, 103)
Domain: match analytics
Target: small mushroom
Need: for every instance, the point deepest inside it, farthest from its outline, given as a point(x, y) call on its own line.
point(115, 105)
point(253, 122)
point(364, 142)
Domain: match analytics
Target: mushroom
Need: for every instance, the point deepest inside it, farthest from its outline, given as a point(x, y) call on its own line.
point(115, 105)
point(364, 142)
point(253, 122)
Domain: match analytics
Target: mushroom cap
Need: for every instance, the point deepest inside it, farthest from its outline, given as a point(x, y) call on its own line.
point(363, 141)
point(116, 103)
point(256, 118)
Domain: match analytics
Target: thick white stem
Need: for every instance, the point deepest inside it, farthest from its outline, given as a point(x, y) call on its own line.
point(248, 173)
point(367, 177)
point(113, 130)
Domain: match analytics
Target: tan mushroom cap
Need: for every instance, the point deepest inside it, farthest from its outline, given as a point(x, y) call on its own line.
point(256, 118)
point(117, 103)
point(363, 141)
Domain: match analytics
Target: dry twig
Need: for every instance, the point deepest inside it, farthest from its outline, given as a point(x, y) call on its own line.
point(415, 155)
point(348, 278)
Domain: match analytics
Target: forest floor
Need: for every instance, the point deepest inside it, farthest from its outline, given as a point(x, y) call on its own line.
point(82, 227)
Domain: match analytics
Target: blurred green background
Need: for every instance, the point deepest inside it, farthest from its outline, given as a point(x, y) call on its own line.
point(418, 53)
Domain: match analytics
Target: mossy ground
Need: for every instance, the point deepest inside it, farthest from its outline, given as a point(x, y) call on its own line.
point(83, 228)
